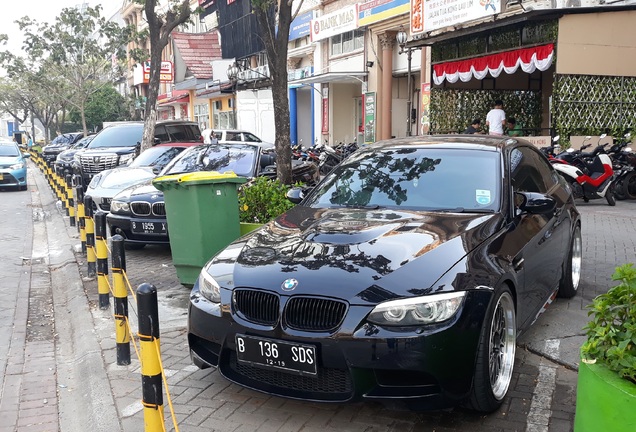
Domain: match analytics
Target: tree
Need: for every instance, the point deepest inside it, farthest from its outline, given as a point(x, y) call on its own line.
point(160, 26)
point(106, 104)
point(77, 48)
point(276, 43)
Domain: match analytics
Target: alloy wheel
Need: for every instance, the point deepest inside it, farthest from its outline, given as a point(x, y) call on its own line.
point(503, 337)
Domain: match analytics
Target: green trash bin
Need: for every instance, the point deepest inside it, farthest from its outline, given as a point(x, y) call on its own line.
point(203, 217)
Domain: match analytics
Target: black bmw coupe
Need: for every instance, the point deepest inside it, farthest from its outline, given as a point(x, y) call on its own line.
point(407, 273)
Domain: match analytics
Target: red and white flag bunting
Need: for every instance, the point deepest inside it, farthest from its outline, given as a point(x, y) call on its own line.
point(529, 59)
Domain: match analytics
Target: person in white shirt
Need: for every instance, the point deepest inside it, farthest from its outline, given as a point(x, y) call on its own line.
point(496, 119)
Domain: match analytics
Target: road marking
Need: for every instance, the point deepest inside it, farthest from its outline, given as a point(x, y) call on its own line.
point(540, 412)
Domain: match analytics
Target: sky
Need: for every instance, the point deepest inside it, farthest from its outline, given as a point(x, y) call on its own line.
point(43, 11)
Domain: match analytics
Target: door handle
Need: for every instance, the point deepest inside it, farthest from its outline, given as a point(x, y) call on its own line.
point(517, 263)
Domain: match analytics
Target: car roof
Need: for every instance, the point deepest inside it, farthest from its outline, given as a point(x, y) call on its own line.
point(166, 122)
point(178, 144)
point(492, 143)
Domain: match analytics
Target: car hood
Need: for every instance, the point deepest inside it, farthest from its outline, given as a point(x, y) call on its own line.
point(98, 151)
point(123, 177)
point(142, 189)
point(358, 255)
point(9, 160)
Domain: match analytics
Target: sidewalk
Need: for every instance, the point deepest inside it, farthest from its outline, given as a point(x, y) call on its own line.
point(205, 401)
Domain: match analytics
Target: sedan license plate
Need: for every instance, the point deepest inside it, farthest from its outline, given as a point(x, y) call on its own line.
point(276, 354)
point(149, 227)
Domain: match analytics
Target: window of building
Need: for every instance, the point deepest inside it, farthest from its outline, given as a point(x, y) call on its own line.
point(201, 116)
point(347, 42)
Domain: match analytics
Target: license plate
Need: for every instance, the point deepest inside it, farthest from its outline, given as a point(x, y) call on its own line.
point(276, 354)
point(149, 227)
point(1, 176)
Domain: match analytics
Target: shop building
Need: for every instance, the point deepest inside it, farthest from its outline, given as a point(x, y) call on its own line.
point(559, 70)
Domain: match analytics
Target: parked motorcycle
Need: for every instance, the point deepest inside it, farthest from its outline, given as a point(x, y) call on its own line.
point(624, 168)
point(591, 175)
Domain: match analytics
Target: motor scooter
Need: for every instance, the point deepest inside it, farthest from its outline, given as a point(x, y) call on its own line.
point(591, 175)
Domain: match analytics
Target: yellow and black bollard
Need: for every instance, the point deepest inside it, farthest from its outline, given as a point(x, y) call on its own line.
point(71, 201)
point(152, 390)
point(90, 236)
point(81, 222)
point(120, 294)
point(102, 260)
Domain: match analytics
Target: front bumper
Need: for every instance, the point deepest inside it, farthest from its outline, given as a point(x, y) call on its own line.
point(10, 177)
point(122, 225)
point(430, 367)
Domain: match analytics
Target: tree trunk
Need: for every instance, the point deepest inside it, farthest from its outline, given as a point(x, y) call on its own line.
point(280, 99)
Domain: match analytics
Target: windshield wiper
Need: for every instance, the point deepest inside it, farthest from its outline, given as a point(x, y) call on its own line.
point(463, 210)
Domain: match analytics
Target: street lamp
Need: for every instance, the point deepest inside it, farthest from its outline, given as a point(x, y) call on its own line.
point(401, 37)
point(232, 75)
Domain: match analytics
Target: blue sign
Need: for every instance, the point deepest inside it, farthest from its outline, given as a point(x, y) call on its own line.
point(300, 27)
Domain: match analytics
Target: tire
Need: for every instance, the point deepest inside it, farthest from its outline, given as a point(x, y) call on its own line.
point(619, 189)
point(569, 284)
point(611, 199)
point(495, 354)
point(629, 185)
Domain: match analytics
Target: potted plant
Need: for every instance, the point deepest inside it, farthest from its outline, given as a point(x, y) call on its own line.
point(606, 390)
point(260, 201)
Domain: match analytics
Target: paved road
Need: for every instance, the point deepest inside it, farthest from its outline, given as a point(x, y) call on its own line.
point(542, 396)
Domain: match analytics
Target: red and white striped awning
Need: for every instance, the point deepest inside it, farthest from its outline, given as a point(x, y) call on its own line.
point(529, 59)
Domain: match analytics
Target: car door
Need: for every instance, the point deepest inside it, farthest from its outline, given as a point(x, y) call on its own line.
point(542, 235)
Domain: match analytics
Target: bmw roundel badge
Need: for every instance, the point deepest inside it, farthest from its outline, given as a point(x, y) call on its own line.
point(289, 284)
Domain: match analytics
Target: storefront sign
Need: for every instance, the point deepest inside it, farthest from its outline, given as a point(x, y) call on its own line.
point(425, 109)
point(301, 26)
point(428, 15)
point(374, 11)
point(369, 117)
point(341, 21)
point(325, 115)
point(165, 75)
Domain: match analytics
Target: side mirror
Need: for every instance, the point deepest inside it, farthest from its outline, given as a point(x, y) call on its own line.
point(156, 170)
point(156, 141)
point(534, 202)
point(296, 194)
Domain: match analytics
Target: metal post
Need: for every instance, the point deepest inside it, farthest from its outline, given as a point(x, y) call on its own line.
point(90, 236)
point(152, 391)
point(81, 214)
point(409, 92)
point(102, 260)
point(120, 294)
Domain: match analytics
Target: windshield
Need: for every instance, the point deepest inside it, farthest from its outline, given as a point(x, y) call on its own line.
point(156, 157)
point(9, 149)
point(414, 178)
point(84, 142)
point(239, 159)
point(60, 139)
point(118, 136)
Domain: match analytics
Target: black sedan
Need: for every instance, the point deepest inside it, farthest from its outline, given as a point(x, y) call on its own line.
point(138, 213)
point(407, 273)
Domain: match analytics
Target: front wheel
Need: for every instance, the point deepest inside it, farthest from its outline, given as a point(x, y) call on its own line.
point(629, 185)
point(611, 199)
point(495, 354)
point(569, 284)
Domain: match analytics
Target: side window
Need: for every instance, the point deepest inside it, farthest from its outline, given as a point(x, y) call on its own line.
point(250, 138)
point(162, 134)
point(232, 136)
point(529, 172)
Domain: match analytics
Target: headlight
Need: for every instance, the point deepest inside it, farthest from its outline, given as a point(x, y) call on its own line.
point(76, 158)
point(208, 287)
point(95, 181)
point(418, 310)
point(124, 159)
point(119, 207)
point(17, 166)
